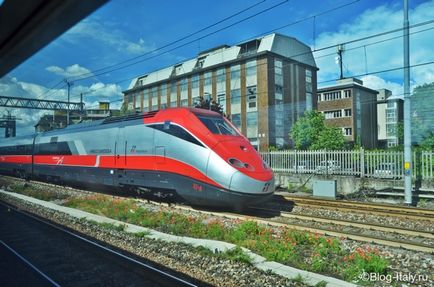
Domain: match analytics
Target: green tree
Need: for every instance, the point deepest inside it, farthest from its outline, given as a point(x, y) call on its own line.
point(310, 132)
point(330, 138)
point(428, 142)
point(306, 129)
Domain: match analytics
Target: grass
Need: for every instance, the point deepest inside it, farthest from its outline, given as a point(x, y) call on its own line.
point(29, 190)
point(295, 248)
point(300, 249)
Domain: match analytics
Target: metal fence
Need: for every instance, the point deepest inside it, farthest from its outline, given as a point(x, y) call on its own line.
point(362, 163)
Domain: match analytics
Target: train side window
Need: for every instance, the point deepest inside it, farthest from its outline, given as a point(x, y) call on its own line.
point(60, 148)
point(176, 131)
point(16, 150)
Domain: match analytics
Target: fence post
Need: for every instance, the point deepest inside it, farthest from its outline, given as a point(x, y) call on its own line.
point(362, 162)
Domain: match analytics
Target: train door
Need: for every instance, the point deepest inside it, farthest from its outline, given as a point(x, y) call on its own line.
point(160, 148)
point(120, 149)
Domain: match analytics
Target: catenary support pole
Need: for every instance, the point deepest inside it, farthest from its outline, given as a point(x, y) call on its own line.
point(407, 111)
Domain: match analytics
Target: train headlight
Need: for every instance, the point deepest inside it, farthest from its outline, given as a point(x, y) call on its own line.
point(236, 162)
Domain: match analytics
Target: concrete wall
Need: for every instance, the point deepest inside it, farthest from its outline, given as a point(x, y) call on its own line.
point(345, 184)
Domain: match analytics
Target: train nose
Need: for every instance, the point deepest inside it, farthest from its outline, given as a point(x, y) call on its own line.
point(243, 183)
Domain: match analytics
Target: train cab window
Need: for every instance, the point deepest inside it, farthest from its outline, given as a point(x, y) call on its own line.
point(218, 126)
point(176, 131)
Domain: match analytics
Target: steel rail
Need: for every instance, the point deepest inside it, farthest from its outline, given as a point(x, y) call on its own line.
point(384, 209)
point(327, 232)
point(349, 223)
point(180, 281)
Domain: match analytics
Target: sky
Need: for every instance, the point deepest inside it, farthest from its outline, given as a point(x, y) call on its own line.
point(124, 39)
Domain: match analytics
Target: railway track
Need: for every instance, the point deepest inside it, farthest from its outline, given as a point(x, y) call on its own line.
point(361, 207)
point(379, 209)
point(58, 257)
point(324, 231)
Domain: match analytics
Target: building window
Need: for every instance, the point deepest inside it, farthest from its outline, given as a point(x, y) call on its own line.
point(163, 96)
point(347, 93)
point(236, 101)
point(178, 69)
point(195, 89)
point(347, 131)
point(347, 112)
point(207, 84)
point(146, 100)
point(236, 120)
point(252, 124)
point(221, 87)
point(390, 130)
point(184, 92)
point(249, 48)
point(173, 94)
point(251, 98)
point(333, 114)
point(251, 78)
point(278, 75)
point(154, 98)
point(137, 100)
point(332, 96)
point(391, 115)
point(221, 100)
point(235, 77)
point(392, 142)
point(309, 100)
point(200, 62)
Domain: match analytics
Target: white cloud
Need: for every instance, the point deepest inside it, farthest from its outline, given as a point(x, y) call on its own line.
point(375, 83)
point(71, 71)
point(365, 57)
point(107, 34)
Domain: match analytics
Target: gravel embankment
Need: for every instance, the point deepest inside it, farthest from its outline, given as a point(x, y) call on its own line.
point(180, 257)
point(226, 273)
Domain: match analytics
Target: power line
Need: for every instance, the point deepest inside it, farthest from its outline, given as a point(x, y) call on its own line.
point(382, 71)
point(331, 46)
point(334, 80)
point(183, 38)
point(214, 32)
point(298, 21)
point(328, 47)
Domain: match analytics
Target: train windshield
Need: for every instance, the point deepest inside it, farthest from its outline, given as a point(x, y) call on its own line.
point(218, 126)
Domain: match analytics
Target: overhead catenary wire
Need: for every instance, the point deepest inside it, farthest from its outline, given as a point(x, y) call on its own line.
point(187, 43)
point(175, 41)
point(350, 41)
point(333, 80)
point(233, 24)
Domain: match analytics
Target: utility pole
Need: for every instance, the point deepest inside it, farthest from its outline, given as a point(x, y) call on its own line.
point(407, 112)
point(340, 50)
point(69, 84)
point(81, 109)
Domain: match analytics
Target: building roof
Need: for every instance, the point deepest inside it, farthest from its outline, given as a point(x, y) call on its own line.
point(346, 84)
point(279, 44)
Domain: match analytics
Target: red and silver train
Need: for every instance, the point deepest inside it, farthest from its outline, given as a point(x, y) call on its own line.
point(196, 153)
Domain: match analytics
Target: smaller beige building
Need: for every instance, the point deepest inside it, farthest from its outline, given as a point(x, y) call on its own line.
point(353, 108)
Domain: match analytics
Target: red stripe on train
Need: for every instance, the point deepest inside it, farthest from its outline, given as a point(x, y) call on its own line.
point(20, 159)
point(150, 162)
